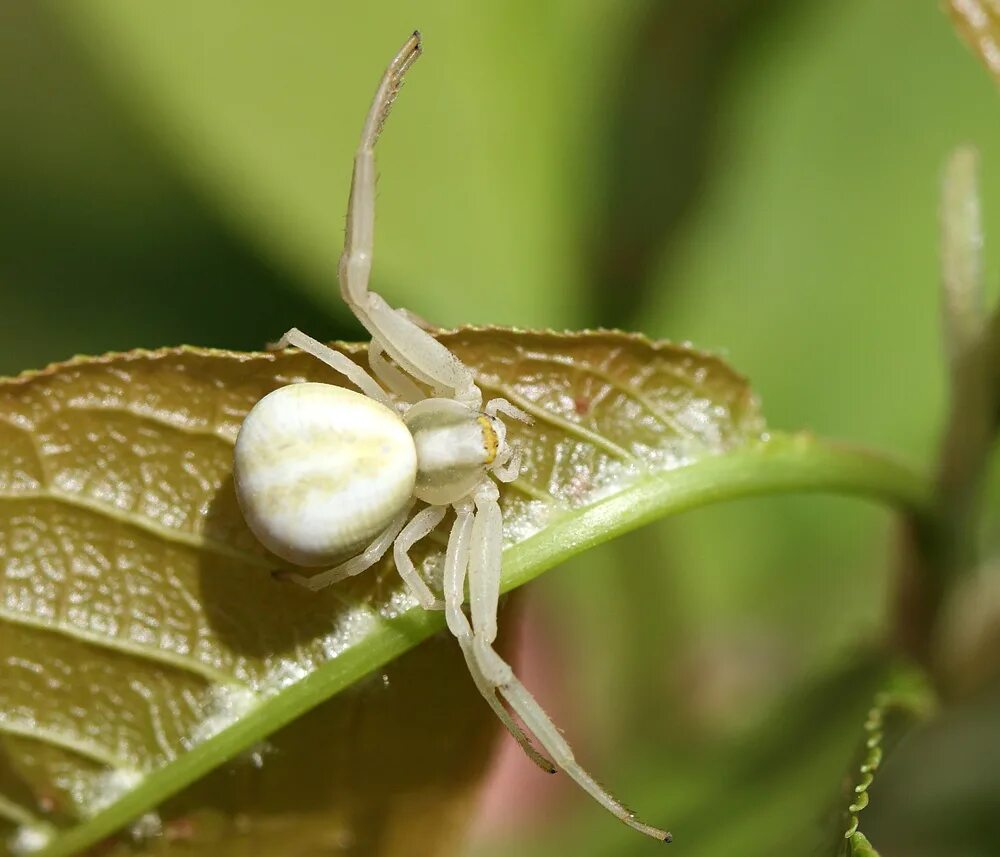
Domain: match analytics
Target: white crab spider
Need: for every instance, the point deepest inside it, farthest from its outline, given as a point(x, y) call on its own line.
point(324, 473)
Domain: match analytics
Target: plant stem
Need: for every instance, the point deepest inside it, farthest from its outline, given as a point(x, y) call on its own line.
point(934, 559)
point(783, 464)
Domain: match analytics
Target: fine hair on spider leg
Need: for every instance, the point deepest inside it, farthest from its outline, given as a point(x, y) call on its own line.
point(444, 450)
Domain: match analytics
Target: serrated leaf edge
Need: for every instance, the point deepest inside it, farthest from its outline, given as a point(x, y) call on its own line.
point(357, 348)
point(914, 697)
point(873, 759)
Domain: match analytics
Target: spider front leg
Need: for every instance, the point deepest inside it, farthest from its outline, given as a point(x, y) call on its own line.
point(395, 380)
point(421, 525)
point(334, 359)
point(456, 560)
point(494, 407)
point(413, 349)
point(484, 562)
point(484, 588)
point(507, 466)
point(455, 565)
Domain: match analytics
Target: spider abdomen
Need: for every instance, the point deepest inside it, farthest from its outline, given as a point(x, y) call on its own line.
point(320, 471)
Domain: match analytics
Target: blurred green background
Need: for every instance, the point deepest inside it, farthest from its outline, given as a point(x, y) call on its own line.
point(759, 178)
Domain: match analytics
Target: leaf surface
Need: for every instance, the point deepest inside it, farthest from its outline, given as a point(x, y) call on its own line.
point(978, 21)
point(144, 640)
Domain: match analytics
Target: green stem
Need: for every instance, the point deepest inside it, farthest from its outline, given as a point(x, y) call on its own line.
point(934, 559)
point(783, 464)
point(780, 465)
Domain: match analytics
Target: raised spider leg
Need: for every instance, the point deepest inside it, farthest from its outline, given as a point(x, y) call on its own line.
point(346, 367)
point(355, 565)
point(390, 376)
point(422, 524)
point(484, 585)
point(413, 349)
point(455, 564)
point(417, 319)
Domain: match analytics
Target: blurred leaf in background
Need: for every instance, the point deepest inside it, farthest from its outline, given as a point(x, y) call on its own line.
point(812, 259)
point(263, 107)
point(656, 143)
point(102, 245)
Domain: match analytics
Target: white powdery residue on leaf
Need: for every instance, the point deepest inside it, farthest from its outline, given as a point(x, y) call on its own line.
point(353, 626)
point(230, 424)
point(534, 517)
point(284, 674)
point(612, 479)
point(81, 789)
point(112, 785)
point(661, 458)
point(706, 421)
point(227, 705)
point(172, 640)
point(29, 838)
point(397, 604)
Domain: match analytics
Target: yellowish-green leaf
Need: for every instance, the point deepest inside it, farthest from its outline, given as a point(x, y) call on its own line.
point(390, 761)
point(144, 640)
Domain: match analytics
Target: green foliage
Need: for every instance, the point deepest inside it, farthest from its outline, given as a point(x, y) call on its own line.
point(480, 156)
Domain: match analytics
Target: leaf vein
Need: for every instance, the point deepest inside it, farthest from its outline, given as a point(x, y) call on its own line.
point(570, 428)
point(628, 389)
point(156, 419)
point(534, 492)
point(116, 644)
point(198, 541)
point(15, 812)
point(70, 743)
